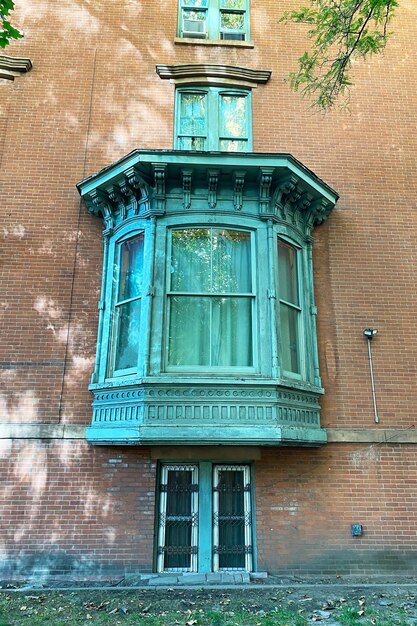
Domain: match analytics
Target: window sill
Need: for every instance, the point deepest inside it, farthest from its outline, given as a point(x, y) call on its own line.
point(190, 41)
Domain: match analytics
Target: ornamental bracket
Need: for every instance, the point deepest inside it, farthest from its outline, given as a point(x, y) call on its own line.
point(239, 181)
point(159, 172)
point(98, 202)
point(213, 179)
point(265, 181)
point(186, 188)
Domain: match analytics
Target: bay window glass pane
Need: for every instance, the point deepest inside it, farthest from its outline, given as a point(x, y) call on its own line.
point(189, 334)
point(233, 4)
point(231, 332)
point(287, 268)
point(215, 330)
point(231, 266)
point(210, 331)
point(289, 338)
point(191, 260)
point(195, 3)
point(232, 21)
point(233, 145)
point(191, 143)
point(127, 333)
point(131, 271)
point(193, 115)
point(233, 116)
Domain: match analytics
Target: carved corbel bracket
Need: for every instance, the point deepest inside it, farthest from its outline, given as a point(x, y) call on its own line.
point(159, 173)
point(138, 187)
point(239, 181)
point(119, 199)
point(265, 181)
point(98, 202)
point(288, 192)
point(186, 188)
point(213, 179)
point(319, 211)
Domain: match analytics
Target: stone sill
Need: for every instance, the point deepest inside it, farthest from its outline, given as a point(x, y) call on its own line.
point(190, 41)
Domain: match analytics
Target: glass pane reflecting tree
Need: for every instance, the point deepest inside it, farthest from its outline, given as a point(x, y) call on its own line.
point(210, 298)
point(290, 310)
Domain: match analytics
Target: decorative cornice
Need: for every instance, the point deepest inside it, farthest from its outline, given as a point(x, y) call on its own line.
point(204, 71)
point(144, 183)
point(292, 200)
point(10, 67)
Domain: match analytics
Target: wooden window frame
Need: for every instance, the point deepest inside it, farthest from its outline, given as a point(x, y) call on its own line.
point(230, 369)
point(116, 306)
point(213, 101)
point(213, 30)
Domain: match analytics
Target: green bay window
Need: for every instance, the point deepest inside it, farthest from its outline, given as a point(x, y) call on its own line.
point(207, 320)
point(213, 119)
point(210, 299)
point(214, 19)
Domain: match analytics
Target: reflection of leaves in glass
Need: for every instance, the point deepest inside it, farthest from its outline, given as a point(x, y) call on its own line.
point(232, 21)
point(193, 114)
point(195, 15)
point(233, 145)
point(233, 4)
point(287, 265)
point(191, 143)
point(131, 268)
point(211, 261)
point(233, 116)
point(199, 3)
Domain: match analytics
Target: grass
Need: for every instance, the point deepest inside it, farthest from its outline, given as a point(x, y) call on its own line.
point(72, 608)
point(351, 616)
point(195, 608)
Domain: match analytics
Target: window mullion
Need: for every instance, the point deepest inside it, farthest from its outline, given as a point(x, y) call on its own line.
point(213, 19)
point(213, 119)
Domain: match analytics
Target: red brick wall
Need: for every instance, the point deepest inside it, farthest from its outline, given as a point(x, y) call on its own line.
point(92, 96)
point(81, 511)
point(68, 508)
point(307, 500)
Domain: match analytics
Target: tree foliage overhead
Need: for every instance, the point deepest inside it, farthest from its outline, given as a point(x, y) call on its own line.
point(7, 31)
point(340, 30)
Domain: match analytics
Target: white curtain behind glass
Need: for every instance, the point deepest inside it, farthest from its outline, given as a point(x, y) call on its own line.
point(210, 301)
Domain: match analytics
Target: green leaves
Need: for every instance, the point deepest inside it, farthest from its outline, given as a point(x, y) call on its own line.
point(7, 31)
point(340, 30)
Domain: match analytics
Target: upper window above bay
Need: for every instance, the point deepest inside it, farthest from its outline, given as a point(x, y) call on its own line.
point(213, 119)
point(214, 19)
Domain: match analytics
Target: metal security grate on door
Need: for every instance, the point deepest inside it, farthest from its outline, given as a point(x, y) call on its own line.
point(178, 518)
point(232, 520)
point(205, 518)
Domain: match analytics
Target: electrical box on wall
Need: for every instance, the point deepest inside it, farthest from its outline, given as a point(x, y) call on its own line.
point(357, 530)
